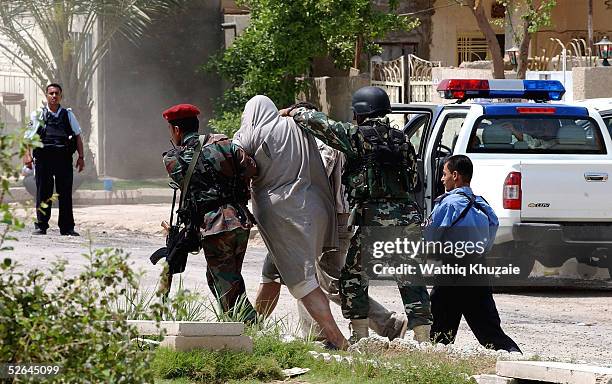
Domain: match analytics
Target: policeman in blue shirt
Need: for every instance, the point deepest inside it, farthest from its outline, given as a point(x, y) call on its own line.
point(477, 222)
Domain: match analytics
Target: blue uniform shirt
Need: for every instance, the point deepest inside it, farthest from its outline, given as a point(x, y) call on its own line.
point(477, 225)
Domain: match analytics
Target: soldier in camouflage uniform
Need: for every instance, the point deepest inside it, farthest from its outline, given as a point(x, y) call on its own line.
point(217, 196)
point(380, 175)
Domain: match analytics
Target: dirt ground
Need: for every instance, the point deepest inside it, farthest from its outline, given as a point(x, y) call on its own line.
point(568, 325)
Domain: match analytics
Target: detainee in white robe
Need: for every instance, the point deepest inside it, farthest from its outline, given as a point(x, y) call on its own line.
point(292, 198)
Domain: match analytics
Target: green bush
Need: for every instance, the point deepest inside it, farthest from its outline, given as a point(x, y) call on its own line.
point(12, 148)
point(49, 317)
point(284, 36)
point(227, 123)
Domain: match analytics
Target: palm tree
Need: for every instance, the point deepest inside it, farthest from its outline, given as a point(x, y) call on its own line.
point(53, 41)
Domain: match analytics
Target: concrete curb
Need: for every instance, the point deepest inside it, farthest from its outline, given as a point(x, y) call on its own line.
point(94, 197)
point(119, 197)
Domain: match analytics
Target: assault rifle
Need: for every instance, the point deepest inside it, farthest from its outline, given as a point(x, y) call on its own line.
point(183, 237)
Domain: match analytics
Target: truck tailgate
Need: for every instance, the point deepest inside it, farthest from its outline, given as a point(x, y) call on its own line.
point(579, 190)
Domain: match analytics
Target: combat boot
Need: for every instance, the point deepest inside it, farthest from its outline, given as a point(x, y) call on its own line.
point(395, 327)
point(359, 330)
point(421, 333)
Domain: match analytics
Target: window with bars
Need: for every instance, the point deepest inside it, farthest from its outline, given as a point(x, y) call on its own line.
point(471, 46)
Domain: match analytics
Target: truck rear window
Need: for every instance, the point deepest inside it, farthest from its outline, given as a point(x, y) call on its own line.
point(536, 135)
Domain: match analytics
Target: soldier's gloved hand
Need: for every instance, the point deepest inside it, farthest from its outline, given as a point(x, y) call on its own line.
point(301, 104)
point(284, 112)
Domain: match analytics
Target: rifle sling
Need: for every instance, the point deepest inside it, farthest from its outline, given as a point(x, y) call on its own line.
point(192, 164)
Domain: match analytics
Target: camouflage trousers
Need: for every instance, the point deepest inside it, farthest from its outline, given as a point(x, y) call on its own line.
point(354, 281)
point(224, 254)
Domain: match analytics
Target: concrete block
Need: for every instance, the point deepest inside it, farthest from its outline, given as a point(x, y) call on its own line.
point(494, 379)
point(555, 372)
point(213, 343)
point(189, 328)
point(18, 195)
point(155, 195)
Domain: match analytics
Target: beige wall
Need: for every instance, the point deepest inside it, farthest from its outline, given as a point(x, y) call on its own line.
point(448, 21)
point(333, 94)
point(591, 83)
point(569, 20)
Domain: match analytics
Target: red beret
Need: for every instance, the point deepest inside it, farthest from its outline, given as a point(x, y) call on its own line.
point(180, 111)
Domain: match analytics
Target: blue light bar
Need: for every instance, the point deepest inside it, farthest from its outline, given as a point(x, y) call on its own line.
point(552, 88)
point(463, 89)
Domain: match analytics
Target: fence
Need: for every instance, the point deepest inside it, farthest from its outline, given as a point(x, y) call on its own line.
point(19, 95)
point(406, 79)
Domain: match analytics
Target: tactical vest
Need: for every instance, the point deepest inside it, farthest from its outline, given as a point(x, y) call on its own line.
point(385, 168)
point(211, 189)
point(55, 130)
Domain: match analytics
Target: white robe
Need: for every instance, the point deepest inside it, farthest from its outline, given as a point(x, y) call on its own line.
point(292, 198)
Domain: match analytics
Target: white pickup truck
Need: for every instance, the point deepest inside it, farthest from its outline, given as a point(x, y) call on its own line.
point(543, 167)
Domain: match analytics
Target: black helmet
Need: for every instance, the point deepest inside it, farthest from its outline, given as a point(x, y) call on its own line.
point(371, 101)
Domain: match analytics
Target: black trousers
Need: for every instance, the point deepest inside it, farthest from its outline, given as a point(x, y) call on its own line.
point(476, 304)
point(53, 166)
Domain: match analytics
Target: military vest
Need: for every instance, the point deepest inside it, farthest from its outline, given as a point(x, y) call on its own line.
point(385, 168)
point(56, 130)
point(210, 189)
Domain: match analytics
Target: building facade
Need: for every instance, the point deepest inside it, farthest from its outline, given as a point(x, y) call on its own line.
point(457, 38)
point(131, 87)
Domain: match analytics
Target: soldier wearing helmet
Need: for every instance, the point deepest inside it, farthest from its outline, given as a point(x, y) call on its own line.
point(381, 177)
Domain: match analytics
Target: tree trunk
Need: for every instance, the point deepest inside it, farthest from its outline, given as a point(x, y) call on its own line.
point(590, 22)
point(523, 59)
point(491, 38)
point(358, 50)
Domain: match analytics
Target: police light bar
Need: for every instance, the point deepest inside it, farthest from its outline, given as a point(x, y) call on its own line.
point(463, 89)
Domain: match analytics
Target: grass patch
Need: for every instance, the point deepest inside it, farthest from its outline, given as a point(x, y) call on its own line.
point(413, 367)
point(271, 355)
point(214, 367)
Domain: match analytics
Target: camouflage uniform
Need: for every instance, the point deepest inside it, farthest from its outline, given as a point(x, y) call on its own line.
point(372, 206)
point(219, 198)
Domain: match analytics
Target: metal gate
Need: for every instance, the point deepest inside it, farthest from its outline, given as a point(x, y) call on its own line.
point(406, 79)
point(19, 95)
point(390, 76)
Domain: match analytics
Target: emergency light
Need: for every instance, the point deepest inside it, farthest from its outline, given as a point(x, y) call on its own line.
point(463, 89)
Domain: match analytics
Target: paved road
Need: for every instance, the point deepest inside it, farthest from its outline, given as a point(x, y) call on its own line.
point(567, 325)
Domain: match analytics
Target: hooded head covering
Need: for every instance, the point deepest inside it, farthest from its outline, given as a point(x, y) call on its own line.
point(260, 117)
point(292, 197)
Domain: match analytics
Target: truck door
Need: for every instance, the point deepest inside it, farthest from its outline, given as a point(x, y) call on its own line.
point(441, 145)
point(417, 129)
point(607, 118)
point(417, 121)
